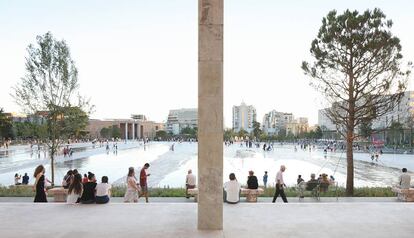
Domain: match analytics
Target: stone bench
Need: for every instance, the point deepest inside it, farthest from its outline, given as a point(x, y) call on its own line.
point(251, 194)
point(59, 194)
point(193, 192)
point(406, 195)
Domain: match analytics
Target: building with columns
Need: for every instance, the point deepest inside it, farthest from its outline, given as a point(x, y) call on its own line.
point(243, 117)
point(131, 129)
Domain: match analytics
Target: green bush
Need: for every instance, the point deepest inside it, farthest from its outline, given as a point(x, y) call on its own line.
point(119, 191)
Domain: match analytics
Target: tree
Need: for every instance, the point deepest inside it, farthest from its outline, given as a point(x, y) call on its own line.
point(49, 89)
point(318, 133)
point(190, 132)
point(161, 134)
point(116, 131)
point(75, 122)
point(110, 132)
point(395, 129)
point(410, 124)
point(5, 126)
point(106, 132)
point(242, 134)
point(256, 130)
point(281, 135)
point(365, 129)
point(228, 134)
point(358, 68)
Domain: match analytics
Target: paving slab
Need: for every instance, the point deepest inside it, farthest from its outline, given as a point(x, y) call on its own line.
point(357, 219)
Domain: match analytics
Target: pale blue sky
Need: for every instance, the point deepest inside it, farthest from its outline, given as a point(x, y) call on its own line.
point(140, 56)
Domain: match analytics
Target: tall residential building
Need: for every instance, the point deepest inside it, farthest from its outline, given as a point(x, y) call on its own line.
point(274, 122)
point(401, 113)
point(297, 126)
point(181, 118)
point(324, 122)
point(243, 117)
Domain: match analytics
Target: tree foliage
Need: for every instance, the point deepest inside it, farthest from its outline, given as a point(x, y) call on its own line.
point(257, 131)
point(189, 132)
point(50, 85)
point(110, 132)
point(358, 68)
point(5, 126)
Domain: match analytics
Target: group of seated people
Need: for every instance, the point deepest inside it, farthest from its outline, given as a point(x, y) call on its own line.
point(323, 182)
point(86, 190)
point(17, 178)
point(232, 187)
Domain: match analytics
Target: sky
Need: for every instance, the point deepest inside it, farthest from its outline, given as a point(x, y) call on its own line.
point(140, 56)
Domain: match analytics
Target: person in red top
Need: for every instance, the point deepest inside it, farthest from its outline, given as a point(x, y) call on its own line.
point(143, 181)
point(85, 178)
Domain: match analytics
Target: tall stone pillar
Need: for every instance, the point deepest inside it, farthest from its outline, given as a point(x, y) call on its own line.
point(126, 131)
point(133, 131)
point(210, 115)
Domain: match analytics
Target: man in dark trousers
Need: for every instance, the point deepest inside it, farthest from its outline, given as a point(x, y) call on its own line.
point(143, 181)
point(279, 185)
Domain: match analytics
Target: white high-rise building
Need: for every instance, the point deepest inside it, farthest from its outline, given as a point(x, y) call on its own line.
point(274, 122)
point(324, 122)
point(243, 117)
point(401, 113)
point(181, 118)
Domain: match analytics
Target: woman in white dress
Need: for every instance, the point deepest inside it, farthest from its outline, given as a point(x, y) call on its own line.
point(131, 194)
point(75, 190)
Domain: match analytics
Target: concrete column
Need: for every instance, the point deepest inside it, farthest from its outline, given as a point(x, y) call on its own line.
point(133, 131)
point(210, 115)
point(126, 131)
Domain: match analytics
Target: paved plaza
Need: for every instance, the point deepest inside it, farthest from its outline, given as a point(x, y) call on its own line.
point(344, 219)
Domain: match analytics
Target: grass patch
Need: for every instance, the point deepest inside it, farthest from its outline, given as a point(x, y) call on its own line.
point(119, 191)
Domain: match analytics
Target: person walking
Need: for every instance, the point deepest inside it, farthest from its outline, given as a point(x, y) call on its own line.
point(265, 179)
point(39, 185)
point(143, 181)
point(280, 184)
point(131, 194)
point(190, 182)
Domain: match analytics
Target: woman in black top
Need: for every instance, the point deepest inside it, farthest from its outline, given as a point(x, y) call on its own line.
point(89, 190)
point(40, 184)
point(252, 181)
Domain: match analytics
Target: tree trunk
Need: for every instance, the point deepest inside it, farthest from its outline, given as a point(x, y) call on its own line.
point(52, 167)
point(411, 139)
point(350, 164)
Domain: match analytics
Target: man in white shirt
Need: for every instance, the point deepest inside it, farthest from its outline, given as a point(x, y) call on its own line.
point(190, 182)
point(279, 185)
point(404, 180)
point(232, 190)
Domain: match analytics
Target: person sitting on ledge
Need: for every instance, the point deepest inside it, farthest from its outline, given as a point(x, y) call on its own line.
point(232, 190)
point(190, 182)
point(300, 179)
point(88, 195)
point(324, 183)
point(312, 183)
point(75, 190)
point(67, 179)
point(252, 181)
point(404, 182)
point(103, 191)
point(25, 179)
point(17, 178)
